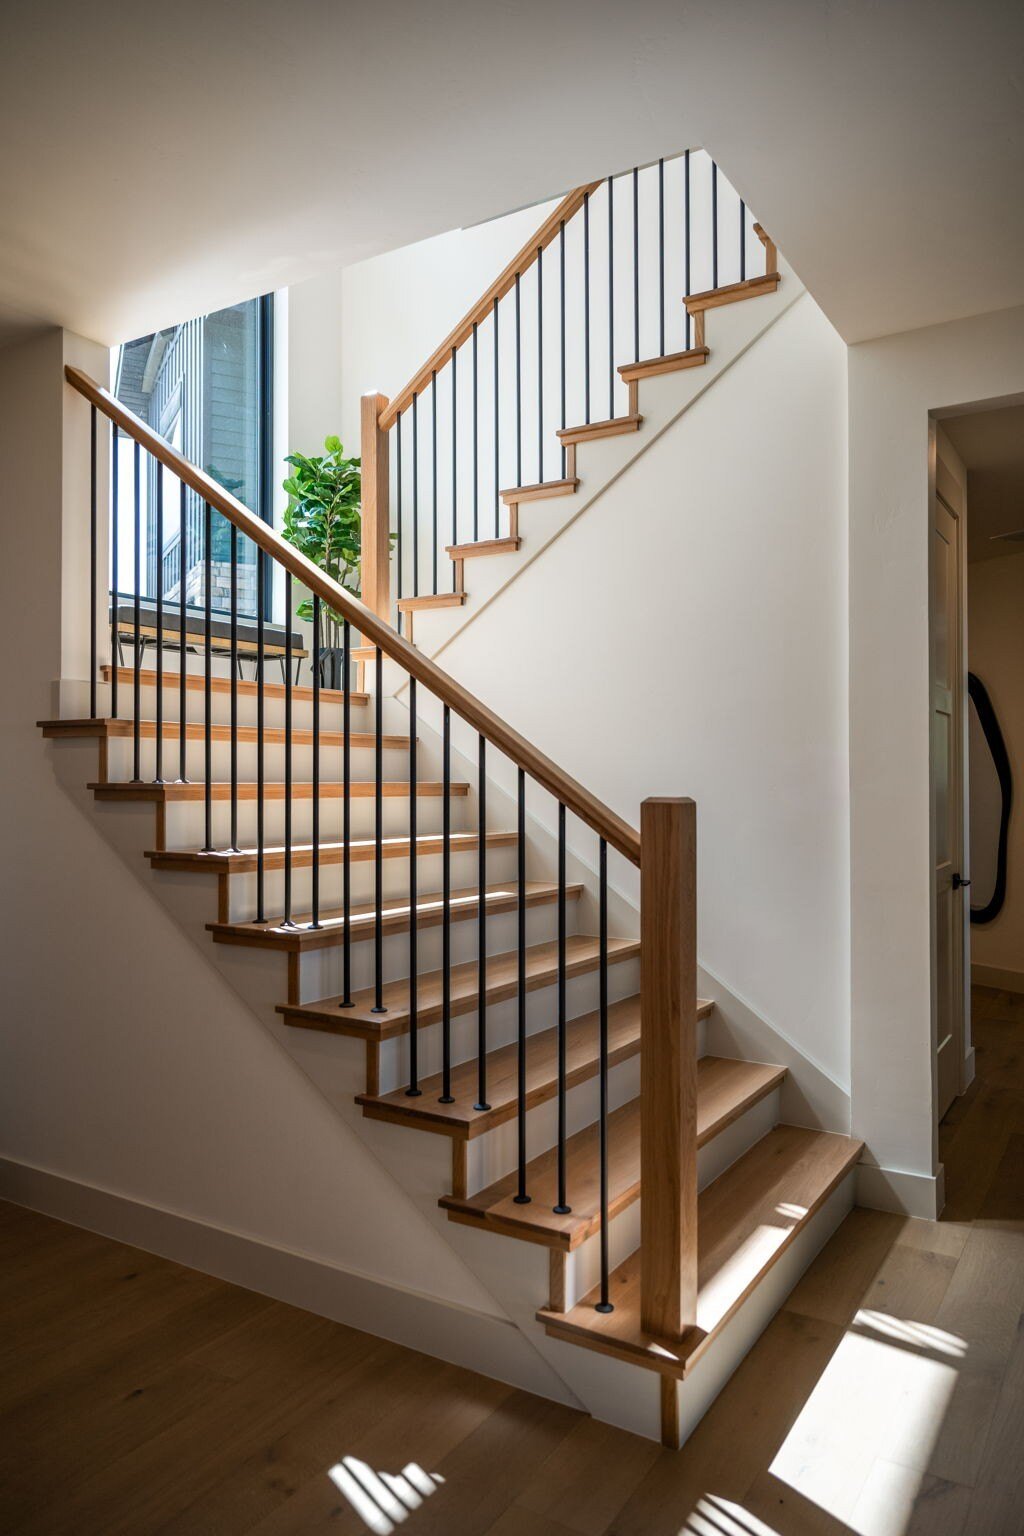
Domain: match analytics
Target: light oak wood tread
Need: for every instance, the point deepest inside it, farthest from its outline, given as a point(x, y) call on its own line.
point(614, 427)
point(537, 492)
point(461, 1121)
point(672, 362)
point(465, 904)
point(223, 861)
point(247, 689)
point(582, 957)
point(172, 793)
point(481, 547)
point(434, 600)
point(746, 1220)
point(732, 293)
point(725, 1090)
point(195, 730)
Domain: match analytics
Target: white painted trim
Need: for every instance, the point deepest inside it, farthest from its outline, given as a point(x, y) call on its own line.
point(997, 976)
point(908, 1194)
point(494, 1346)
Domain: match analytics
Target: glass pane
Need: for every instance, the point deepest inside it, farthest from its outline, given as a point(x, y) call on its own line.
point(198, 385)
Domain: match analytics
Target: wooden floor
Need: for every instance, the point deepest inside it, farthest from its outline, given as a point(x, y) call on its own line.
point(887, 1398)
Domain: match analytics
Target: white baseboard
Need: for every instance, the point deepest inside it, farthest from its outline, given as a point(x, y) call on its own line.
point(907, 1194)
point(493, 1346)
point(997, 976)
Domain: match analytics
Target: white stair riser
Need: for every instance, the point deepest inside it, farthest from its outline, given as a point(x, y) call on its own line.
point(583, 1267)
point(501, 866)
point(321, 969)
point(185, 819)
point(120, 761)
point(502, 1024)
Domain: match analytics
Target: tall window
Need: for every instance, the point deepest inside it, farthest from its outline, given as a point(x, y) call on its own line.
point(205, 387)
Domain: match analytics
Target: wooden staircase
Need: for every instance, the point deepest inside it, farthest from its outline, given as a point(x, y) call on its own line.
point(500, 992)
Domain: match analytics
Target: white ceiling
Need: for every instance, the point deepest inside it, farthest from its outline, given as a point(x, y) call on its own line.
point(991, 444)
point(164, 160)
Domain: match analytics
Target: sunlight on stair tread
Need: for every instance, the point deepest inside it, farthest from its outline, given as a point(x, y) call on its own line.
point(383, 1500)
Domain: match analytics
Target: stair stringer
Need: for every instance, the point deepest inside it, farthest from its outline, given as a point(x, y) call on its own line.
point(731, 331)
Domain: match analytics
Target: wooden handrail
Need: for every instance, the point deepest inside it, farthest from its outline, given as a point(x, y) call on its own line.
point(604, 821)
point(520, 263)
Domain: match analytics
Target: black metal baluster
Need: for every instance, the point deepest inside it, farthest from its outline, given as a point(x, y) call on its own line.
point(540, 365)
point(208, 680)
point(743, 240)
point(636, 263)
point(604, 1305)
point(398, 512)
point(476, 444)
point(286, 921)
point(521, 1197)
point(137, 681)
point(455, 463)
point(93, 593)
point(661, 258)
point(481, 956)
point(446, 911)
point(234, 689)
point(714, 225)
point(586, 305)
point(261, 914)
point(159, 765)
point(182, 630)
point(686, 241)
point(433, 455)
point(115, 568)
point(378, 809)
point(414, 1090)
point(314, 916)
point(562, 1208)
point(346, 822)
point(415, 497)
point(611, 299)
point(519, 388)
point(497, 432)
point(561, 325)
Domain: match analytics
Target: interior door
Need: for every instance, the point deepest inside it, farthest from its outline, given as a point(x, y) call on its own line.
point(947, 800)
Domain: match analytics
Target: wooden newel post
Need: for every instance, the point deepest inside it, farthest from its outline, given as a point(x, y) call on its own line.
point(668, 1066)
point(376, 510)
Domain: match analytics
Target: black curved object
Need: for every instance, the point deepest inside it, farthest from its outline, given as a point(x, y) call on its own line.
point(978, 695)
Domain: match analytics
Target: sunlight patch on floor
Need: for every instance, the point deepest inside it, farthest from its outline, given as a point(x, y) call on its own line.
point(881, 1400)
point(383, 1500)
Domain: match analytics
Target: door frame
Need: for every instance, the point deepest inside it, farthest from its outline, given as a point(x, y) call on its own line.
point(945, 488)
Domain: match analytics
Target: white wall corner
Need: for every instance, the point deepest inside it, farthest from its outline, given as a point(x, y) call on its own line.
point(908, 1194)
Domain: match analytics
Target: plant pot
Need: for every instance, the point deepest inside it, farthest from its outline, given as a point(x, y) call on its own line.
point(332, 666)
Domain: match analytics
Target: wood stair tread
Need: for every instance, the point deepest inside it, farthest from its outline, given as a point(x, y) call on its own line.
point(247, 688)
point(582, 956)
point(671, 362)
point(462, 1121)
point(172, 793)
point(222, 861)
point(725, 1090)
point(518, 493)
point(479, 547)
point(589, 430)
point(731, 293)
point(195, 730)
point(429, 908)
point(745, 1221)
point(433, 600)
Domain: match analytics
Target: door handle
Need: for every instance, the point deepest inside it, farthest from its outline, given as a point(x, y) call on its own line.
point(959, 881)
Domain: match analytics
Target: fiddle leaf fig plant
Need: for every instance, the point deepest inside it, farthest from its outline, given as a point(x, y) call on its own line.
point(322, 521)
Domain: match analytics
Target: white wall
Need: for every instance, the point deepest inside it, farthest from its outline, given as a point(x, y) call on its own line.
point(129, 1065)
point(894, 384)
point(687, 635)
point(995, 613)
